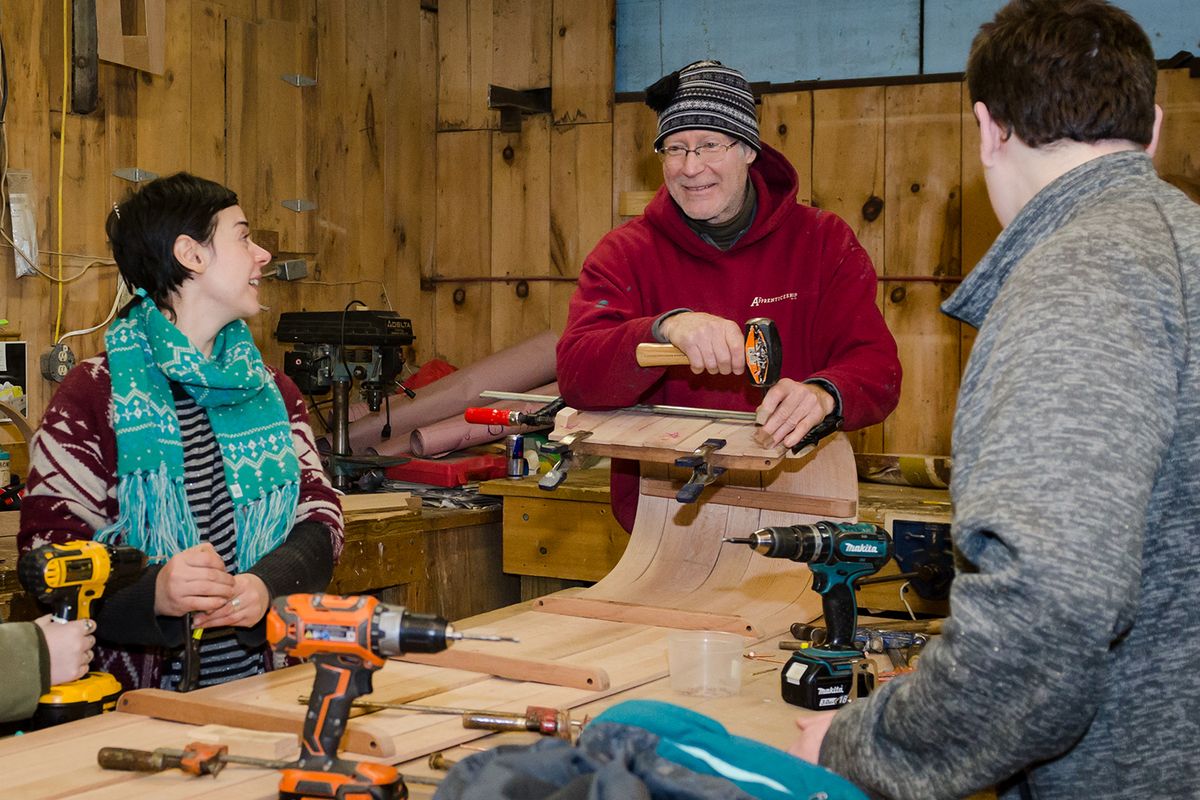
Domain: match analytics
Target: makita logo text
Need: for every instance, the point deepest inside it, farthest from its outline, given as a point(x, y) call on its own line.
point(870, 549)
point(762, 301)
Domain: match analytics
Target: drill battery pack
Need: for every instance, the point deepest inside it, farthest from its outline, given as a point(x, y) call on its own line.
point(825, 680)
point(89, 696)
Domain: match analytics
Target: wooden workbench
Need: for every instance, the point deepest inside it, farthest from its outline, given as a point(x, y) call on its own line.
point(60, 762)
point(417, 560)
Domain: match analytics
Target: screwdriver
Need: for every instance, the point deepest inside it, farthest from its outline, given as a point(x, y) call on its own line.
point(541, 719)
point(197, 758)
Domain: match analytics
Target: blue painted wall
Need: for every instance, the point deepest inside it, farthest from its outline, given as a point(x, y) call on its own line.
point(782, 41)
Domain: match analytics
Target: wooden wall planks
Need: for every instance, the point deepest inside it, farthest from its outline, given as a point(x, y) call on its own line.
point(405, 161)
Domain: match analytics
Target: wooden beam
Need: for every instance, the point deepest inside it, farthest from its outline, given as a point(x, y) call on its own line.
point(84, 63)
point(518, 669)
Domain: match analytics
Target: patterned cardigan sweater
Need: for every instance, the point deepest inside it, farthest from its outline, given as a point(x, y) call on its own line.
point(71, 493)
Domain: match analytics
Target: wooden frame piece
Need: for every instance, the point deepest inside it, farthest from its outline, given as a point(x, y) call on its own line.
point(518, 669)
point(148, 52)
point(772, 501)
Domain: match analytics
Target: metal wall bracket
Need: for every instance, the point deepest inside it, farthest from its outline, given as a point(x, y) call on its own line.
point(134, 174)
point(298, 205)
point(296, 79)
point(513, 103)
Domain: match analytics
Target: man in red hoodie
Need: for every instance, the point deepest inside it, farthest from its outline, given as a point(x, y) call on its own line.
point(722, 241)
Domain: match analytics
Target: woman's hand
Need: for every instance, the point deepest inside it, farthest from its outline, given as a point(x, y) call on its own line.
point(244, 609)
point(70, 645)
point(194, 580)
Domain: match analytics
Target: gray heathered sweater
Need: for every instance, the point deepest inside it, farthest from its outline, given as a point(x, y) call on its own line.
point(1074, 634)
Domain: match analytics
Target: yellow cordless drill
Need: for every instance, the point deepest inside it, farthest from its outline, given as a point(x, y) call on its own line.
point(69, 578)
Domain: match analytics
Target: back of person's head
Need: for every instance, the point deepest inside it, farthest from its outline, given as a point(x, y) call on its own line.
point(704, 95)
point(143, 229)
point(1050, 70)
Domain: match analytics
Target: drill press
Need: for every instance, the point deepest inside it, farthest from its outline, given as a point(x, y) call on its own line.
point(827, 676)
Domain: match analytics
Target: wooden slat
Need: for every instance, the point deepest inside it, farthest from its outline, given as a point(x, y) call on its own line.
point(636, 168)
point(205, 707)
point(774, 501)
point(584, 48)
point(517, 669)
point(580, 204)
point(520, 231)
point(640, 614)
point(464, 64)
point(847, 171)
point(787, 125)
point(463, 244)
point(923, 238)
point(164, 134)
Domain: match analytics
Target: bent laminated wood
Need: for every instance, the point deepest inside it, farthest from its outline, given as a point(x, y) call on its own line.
point(676, 571)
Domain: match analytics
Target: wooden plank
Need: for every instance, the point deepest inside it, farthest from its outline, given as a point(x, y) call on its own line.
point(464, 37)
point(923, 238)
point(474, 550)
point(774, 501)
point(520, 231)
point(410, 115)
point(635, 166)
point(164, 121)
point(205, 707)
point(639, 614)
point(520, 57)
point(787, 125)
point(580, 204)
point(463, 245)
point(1179, 96)
point(847, 172)
point(207, 142)
point(584, 47)
point(517, 669)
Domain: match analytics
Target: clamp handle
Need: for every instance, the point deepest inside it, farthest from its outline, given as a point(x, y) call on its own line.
point(831, 423)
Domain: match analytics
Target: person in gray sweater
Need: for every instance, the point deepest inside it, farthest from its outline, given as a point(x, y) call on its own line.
point(1062, 671)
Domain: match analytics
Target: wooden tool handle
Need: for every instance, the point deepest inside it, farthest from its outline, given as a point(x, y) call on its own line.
point(659, 355)
point(124, 758)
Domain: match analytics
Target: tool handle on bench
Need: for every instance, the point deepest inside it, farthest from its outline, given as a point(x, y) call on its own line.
point(659, 355)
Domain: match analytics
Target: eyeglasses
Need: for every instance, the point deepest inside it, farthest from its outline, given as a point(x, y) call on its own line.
point(708, 153)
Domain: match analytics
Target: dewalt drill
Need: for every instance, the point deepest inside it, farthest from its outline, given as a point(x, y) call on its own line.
point(347, 639)
point(69, 578)
point(838, 553)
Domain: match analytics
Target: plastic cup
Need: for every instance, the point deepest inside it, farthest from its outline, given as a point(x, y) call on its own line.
point(705, 663)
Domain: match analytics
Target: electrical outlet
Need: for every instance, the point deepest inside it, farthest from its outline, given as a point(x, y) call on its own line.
point(57, 362)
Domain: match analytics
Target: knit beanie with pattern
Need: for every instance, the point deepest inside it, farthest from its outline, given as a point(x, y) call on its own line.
point(705, 95)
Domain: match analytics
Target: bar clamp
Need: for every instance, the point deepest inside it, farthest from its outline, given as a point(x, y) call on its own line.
point(566, 459)
point(703, 472)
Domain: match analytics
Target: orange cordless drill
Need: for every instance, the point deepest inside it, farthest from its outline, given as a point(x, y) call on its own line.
point(347, 639)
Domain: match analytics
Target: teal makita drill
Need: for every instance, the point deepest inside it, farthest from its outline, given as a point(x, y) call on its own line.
point(838, 553)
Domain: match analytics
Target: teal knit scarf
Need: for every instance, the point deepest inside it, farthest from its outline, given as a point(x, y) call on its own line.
point(248, 417)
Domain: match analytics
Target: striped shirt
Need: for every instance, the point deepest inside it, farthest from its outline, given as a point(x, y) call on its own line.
point(222, 657)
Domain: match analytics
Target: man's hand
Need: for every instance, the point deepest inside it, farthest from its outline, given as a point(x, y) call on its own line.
point(813, 728)
point(712, 344)
point(70, 645)
point(194, 580)
point(245, 608)
point(791, 409)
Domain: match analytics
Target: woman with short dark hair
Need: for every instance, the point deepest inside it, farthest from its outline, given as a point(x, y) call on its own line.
point(180, 441)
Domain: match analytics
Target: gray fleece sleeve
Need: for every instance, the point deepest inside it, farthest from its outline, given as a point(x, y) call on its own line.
point(1065, 413)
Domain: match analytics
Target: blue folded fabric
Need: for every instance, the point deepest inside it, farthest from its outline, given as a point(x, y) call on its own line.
point(703, 745)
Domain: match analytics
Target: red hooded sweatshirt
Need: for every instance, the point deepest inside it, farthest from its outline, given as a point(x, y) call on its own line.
point(799, 266)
